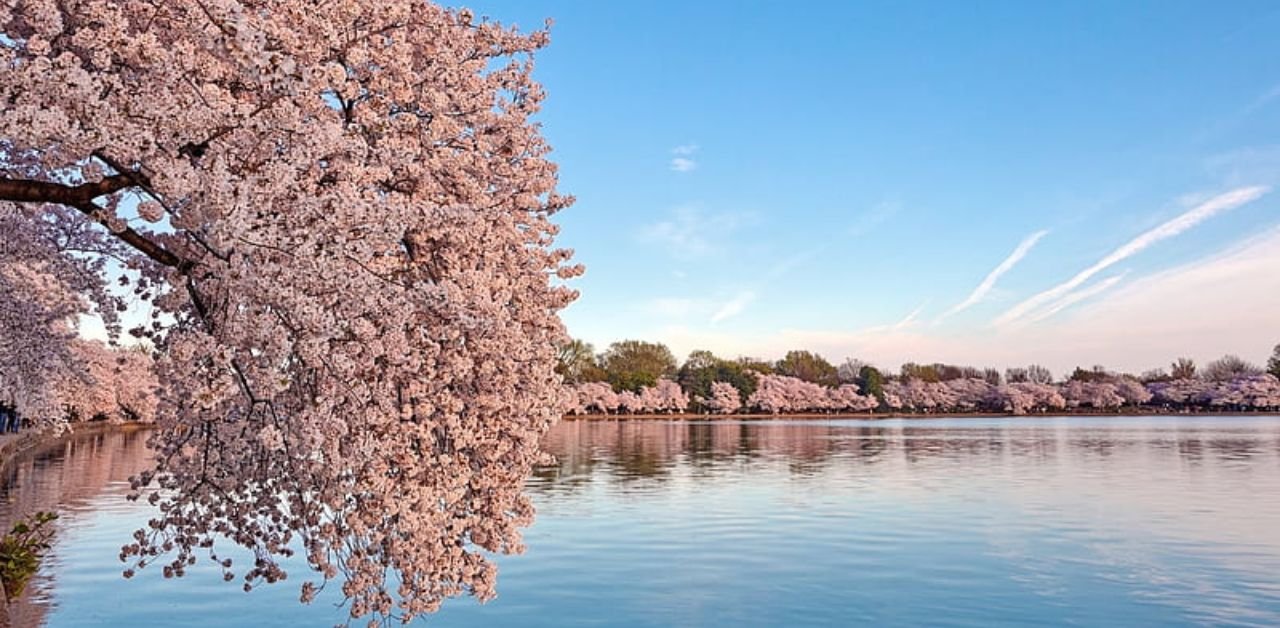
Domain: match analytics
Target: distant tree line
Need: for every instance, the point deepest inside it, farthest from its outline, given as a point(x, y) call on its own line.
point(638, 377)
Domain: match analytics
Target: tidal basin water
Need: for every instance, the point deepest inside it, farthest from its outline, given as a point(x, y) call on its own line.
point(964, 522)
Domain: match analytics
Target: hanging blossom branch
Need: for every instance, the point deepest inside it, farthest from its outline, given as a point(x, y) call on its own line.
point(358, 278)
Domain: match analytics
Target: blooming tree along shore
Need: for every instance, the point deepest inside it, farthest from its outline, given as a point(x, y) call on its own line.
point(747, 385)
point(778, 394)
point(339, 215)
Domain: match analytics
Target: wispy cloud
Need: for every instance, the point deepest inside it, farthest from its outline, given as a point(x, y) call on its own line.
point(1233, 121)
point(874, 217)
point(683, 164)
point(989, 282)
point(788, 264)
point(1250, 164)
point(1185, 221)
point(674, 307)
point(743, 298)
point(1263, 100)
point(690, 232)
point(683, 160)
point(734, 306)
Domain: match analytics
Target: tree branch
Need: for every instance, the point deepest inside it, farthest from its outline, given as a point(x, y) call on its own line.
point(80, 197)
point(26, 191)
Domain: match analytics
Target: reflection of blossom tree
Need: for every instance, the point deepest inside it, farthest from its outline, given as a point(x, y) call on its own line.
point(67, 477)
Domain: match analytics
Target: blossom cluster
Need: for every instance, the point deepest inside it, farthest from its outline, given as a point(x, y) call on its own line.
point(598, 397)
point(773, 394)
point(777, 394)
point(1252, 392)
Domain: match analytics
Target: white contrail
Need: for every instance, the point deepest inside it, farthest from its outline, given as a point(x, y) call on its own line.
point(989, 282)
point(1195, 216)
point(910, 318)
point(734, 306)
point(1073, 298)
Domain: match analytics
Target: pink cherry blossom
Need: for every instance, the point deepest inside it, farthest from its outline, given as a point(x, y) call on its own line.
point(780, 393)
point(725, 399)
point(1097, 395)
point(351, 260)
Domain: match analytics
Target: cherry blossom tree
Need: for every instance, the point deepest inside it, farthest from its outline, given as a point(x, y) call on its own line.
point(1046, 396)
point(50, 274)
point(1259, 392)
point(118, 384)
point(630, 402)
point(666, 396)
point(1180, 392)
point(724, 398)
point(341, 211)
point(778, 394)
point(969, 393)
point(892, 399)
point(595, 397)
point(1012, 398)
point(1093, 394)
point(920, 395)
point(1133, 392)
point(847, 398)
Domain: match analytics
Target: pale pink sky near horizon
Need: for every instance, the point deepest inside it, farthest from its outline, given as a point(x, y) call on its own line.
point(1228, 302)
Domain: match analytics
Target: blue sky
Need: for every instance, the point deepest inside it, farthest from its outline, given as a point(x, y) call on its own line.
point(759, 176)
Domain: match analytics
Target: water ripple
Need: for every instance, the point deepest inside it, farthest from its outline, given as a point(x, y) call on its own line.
point(1049, 521)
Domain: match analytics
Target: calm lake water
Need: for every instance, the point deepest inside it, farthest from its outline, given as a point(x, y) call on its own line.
point(967, 522)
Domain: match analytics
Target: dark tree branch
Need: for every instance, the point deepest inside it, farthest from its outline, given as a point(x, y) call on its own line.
point(26, 191)
point(81, 198)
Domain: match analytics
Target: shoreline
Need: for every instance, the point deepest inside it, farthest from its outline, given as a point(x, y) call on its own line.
point(35, 441)
point(871, 416)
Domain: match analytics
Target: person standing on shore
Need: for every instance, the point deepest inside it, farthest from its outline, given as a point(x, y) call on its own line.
point(11, 419)
point(6, 418)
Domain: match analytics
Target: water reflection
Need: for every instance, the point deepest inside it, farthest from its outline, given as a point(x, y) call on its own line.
point(65, 477)
point(1148, 520)
point(652, 450)
point(1085, 521)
